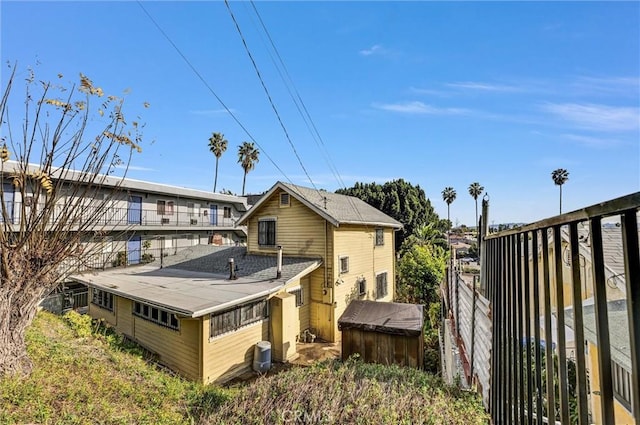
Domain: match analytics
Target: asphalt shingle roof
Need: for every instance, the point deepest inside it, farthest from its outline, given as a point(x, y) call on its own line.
point(336, 208)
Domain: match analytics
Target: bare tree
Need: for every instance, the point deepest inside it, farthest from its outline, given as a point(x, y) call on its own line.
point(54, 195)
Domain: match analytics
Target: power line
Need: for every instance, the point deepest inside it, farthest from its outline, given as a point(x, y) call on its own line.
point(201, 78)
point(273, 106)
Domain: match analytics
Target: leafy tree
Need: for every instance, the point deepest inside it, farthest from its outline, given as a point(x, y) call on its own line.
point(476, 190)
point(448, 196)
point(560, 177)
point(399, 199)
point(248, 157)
point(58, 182)
point(429, 234)
point(217, 146)
point(420, 271)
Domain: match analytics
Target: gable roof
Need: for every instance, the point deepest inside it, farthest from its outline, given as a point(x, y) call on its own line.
point(335, 208)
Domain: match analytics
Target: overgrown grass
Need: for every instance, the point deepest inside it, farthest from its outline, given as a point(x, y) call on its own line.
point(353, 392)
point(86, 374)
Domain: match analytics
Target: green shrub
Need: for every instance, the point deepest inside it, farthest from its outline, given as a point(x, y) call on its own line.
point(81, 324)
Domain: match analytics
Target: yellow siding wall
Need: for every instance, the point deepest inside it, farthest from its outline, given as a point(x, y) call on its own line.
point(299, 230)
point(365, 260)
point(179, 350)
point(303, 313)
point(230, 355)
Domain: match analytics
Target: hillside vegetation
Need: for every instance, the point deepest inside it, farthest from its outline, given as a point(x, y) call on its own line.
point(84, 374)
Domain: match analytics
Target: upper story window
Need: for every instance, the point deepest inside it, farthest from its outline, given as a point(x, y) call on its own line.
point(267, 231)
point(382, 289)
point(164, 207)
point(379, 237)
point(284, 199)
point(227, 212)
point(362, 286)
point(102, 299)
point(344, 264)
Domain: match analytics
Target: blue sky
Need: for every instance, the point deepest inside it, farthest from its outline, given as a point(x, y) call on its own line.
point(438, 93)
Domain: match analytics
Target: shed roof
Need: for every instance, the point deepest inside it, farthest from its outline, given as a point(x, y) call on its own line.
point(196, 281)
point(336, 208)
point(384, 317)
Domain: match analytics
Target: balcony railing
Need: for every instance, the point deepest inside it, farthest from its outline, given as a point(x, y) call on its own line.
point(113, 216)
point(534, 277)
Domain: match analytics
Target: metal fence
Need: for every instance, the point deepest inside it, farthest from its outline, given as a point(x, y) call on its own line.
point(554, 301)
point(65, 300)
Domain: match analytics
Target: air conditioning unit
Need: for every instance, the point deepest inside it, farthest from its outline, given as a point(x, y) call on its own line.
point(165, 221)
point(194, 221)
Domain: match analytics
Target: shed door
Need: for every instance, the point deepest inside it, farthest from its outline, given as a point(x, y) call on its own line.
point(134, 246)
point(134, 214)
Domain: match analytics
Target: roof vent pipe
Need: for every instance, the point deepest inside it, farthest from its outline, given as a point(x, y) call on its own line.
point(279, 269)
point(232, 270)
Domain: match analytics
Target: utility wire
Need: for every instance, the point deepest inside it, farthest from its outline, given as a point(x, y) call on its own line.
point(273, 106)
point(201, 78)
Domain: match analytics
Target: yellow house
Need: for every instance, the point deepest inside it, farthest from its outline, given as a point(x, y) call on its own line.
point(203, 310)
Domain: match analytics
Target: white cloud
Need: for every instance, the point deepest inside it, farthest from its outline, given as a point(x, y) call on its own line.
point(622, 86)
point(596, 117)
point(474, 85)
point(376, 48)
point(133, 168)
point(592, 142)
point(417, 107)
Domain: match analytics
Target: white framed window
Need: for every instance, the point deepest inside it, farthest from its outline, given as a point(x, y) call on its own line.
point(267, 231)
point(102, 299)
point(343, 262)
point(284, 199)
point(156, 315)
point(226, 212)
point(379, 237)
point(299, 294)
point(382, 289)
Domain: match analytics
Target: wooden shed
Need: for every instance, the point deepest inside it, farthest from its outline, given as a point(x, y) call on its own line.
point(383, 332)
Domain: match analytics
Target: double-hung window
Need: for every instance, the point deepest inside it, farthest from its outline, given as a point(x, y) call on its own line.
point(381, 285)
point(267, 232)
point(379, 237)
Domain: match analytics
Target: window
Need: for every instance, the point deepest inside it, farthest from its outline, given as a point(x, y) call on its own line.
point(267, 231)
point(227, 212)
point(299, 295)
point(102, 299)
point(379, 237)
point(230, 320)
point(622, 385)
point(344, 264)
point(284, 199)
point(164, 207)
point(362, 286)
point(381, 285)
point(156, 315)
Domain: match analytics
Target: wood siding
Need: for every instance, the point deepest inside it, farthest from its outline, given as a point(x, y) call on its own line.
point(230, 355)
point(366, 260)
point(376, 347)
point(303, 314)
point(299, 230)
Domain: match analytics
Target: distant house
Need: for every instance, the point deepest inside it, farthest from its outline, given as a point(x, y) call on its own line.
point(309, 254)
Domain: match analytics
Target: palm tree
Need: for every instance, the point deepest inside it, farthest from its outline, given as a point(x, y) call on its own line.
point(448, 196)
point(217, 146)
point(476, 190)
point(247, 157)
point(560, 177)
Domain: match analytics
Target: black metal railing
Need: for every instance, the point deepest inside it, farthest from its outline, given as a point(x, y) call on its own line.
point(556, 275)
point(116, 216)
